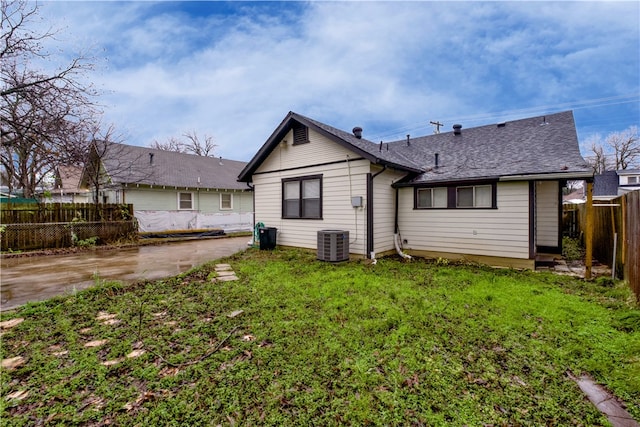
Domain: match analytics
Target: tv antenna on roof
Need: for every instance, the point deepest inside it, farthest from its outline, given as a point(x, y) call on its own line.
point(437, 125)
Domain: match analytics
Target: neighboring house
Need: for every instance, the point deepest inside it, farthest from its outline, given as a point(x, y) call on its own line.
point(173, 191)
point(629, 180)
point(66, 188)
point(491, 194)
point(612, 184)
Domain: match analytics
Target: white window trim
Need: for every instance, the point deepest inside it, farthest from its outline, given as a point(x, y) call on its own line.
point(192, 201)
point(229, 208)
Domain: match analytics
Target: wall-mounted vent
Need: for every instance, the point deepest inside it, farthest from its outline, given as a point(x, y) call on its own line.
point(333, 245)
point(300, 134)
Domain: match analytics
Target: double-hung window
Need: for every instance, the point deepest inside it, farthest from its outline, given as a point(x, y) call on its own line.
point(226, 201)
point(302, 197)
point(185, 201)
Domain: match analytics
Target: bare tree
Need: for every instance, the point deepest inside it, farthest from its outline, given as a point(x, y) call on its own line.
point(191, 144)
point(111, 166)
point(626, 147)
point(39, 112)
point(598, 160)
point(171, 144)
point(619, 150)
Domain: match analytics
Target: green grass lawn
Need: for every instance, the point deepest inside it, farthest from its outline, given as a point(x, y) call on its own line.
point(397, 343)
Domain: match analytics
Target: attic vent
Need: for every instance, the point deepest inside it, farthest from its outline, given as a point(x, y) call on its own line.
point(501, 125)
point(457, 129)
point(357, 132)
point(300, 134)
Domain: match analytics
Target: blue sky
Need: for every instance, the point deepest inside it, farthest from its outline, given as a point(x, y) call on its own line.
point(233, 70)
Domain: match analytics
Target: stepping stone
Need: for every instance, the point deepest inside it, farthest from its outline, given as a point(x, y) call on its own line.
point(225, 273)
point(227, 278)
point(8, 324)
point(110, 322)
point(12, 362)
point(222, 267)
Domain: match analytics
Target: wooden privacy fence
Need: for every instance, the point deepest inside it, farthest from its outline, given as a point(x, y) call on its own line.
point(63, 234)
point(28, 226)
point(30, 213)
point(616, 229)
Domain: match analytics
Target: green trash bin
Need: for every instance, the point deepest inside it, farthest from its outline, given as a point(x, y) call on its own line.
point(267, 238)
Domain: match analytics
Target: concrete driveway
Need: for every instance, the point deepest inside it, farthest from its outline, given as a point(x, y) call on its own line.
point(38, 278)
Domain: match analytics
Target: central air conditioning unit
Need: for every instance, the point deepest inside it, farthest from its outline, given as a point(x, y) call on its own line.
point(333, 245)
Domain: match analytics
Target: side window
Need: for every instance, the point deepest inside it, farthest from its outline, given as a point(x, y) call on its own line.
point(226, 201)
point(302, 197)
point(453, 197)
point(475, 196)
point(185, 201)
point(431, 198)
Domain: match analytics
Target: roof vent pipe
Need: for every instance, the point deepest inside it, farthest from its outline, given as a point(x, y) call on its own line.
point(357, 132)
point(437, 155)
point(408, 142)
point(150, 158)
point(457, 129)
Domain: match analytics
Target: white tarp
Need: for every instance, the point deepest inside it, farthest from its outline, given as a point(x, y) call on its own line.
point(153, 221)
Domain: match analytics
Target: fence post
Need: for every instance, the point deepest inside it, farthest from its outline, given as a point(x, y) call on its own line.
point(588, 232)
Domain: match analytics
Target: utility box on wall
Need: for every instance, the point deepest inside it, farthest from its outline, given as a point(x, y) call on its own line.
point(333, 245)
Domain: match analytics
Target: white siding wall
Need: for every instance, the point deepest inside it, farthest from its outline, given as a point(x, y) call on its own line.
point(340, 181)
point(384, 199)
point(547, 213)
point(502, 232)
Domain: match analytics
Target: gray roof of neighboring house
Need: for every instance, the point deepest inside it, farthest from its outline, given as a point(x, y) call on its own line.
point(68, 179)
point(606, 184)
point(544, 145)
point(628, 171)
point(128, 164)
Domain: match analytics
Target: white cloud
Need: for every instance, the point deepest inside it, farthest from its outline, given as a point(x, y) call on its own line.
point(389, 67)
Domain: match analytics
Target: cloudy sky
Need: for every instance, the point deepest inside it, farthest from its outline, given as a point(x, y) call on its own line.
point(234, 70)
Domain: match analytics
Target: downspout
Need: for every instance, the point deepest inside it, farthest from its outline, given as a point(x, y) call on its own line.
point(370, 178)
point(396, 231)
point(253, 225)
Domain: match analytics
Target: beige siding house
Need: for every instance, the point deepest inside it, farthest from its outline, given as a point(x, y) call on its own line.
point(173, 191)
point(490, 194)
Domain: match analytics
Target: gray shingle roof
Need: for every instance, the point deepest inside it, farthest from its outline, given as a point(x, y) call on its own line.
point(606, 184)
point(128, 164)
point(541, 145)
point(534, 146)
